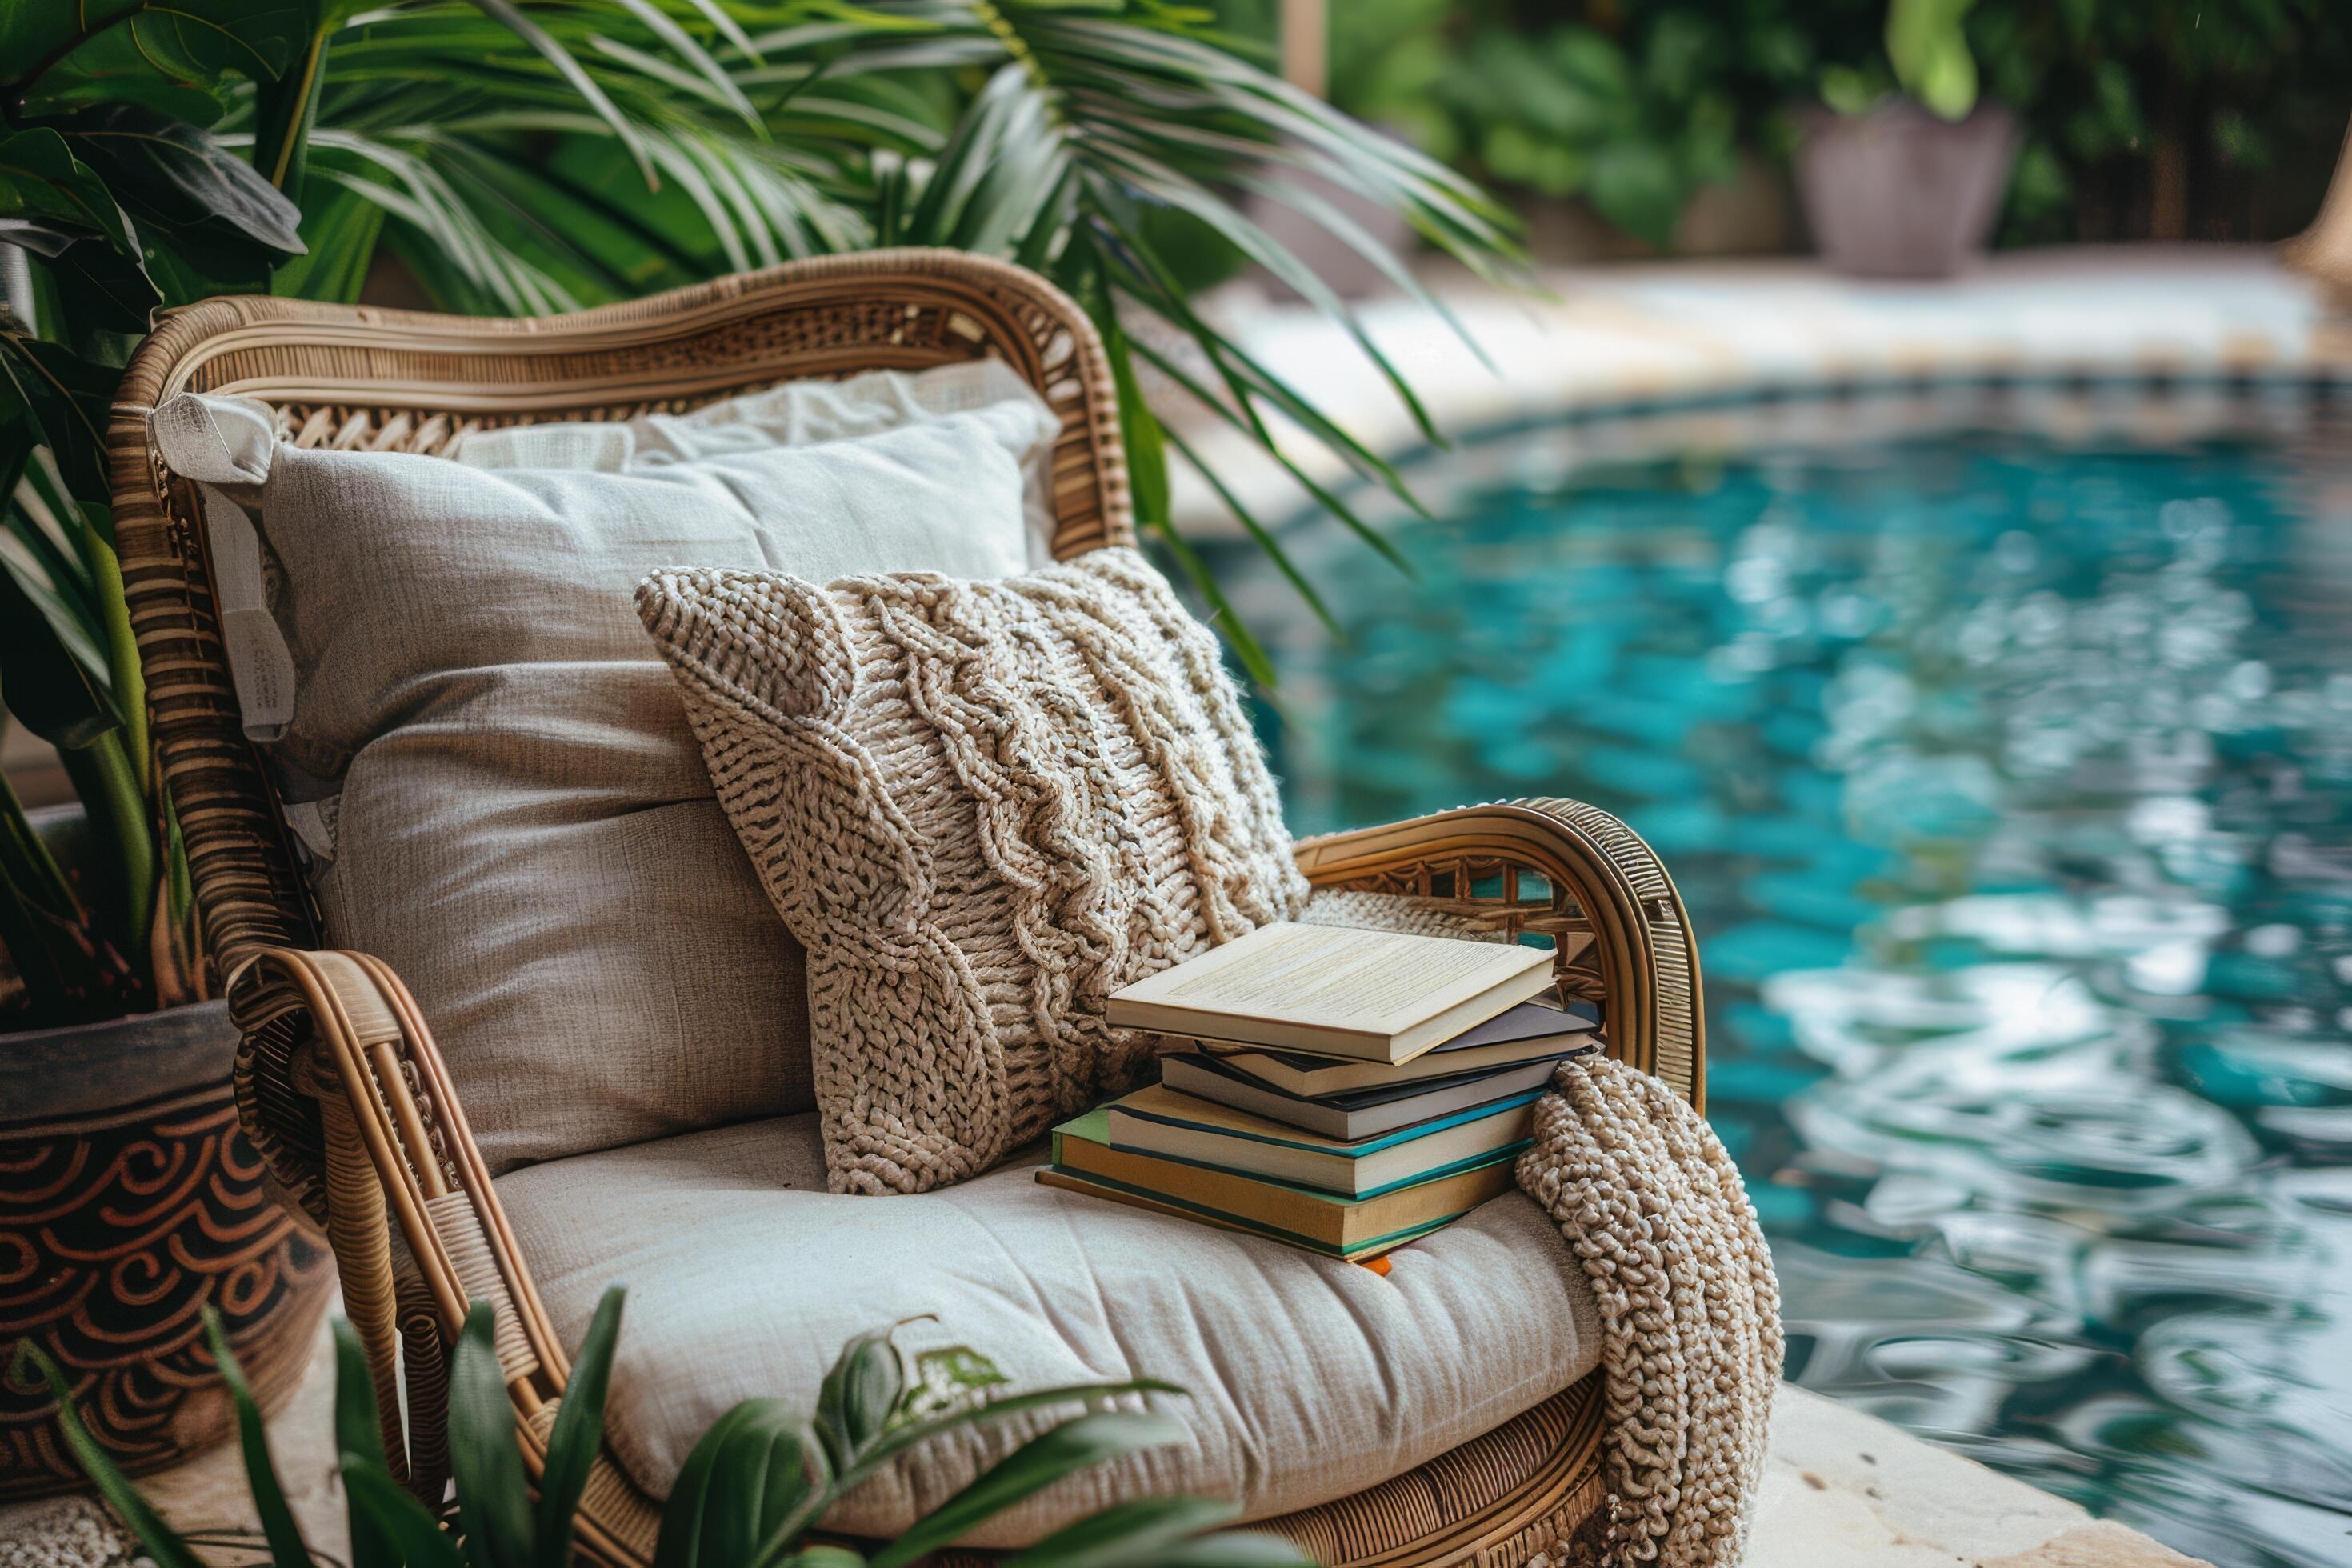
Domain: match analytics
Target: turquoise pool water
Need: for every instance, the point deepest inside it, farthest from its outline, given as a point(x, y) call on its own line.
point(2010, 786)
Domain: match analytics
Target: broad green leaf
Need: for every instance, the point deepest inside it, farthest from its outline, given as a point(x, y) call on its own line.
point(945, 1378)
point(359, 1438)
point(743, 1484)
point(1147, 453)
point(99, 286)
point(69, 399)
point(560, 59)
point(1258, 532)
point(1297, 407)
point(169, 55)
point(1926, 45)
point(855, 1401)
point(1234, 1549)
point(1027, 1470)
point(825, 1555)
point(44, 684)
point(1633, 184)
point(394, 1522)
point(287, 1549)
point(207, 202)
point(579, 1430)
point(339, 229)
point(161, 1542)
point(41, 178)
point(1125, 1532)
point(493, 1495)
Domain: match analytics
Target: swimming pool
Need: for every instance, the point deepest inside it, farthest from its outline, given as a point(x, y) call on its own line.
point(2009, 781)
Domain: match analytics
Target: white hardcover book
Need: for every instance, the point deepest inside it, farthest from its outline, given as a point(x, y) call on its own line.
point(1382, 996)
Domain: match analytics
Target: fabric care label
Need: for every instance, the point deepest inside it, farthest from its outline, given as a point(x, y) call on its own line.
point(314, 823)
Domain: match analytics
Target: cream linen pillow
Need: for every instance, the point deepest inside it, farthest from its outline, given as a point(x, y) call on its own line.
point(981, 808)
point(522, 825)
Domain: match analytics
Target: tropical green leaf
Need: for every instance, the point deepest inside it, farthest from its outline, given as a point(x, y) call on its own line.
point(946, 1378)
point(222, 217)
point(579, 1430)
point(859, 1391)
point(1027, 1470)
point(743, 1484)
point(493, 1495)
point(1125, 1534)
point(168, 54)
point(100, 286)
point(1259, 533)
point(394, 1522)
point(340, 230)
point(1930, 54)
point(41, 179)
point(825, 1555)
point(1147, 452)
point(1233, 1549)
point(287, 1549)
point(68, 399)
point(44, 684)
point(512, 17)
point(1635, 185)
point(161, 1542)
point(897, 1439)
point(359, 1439)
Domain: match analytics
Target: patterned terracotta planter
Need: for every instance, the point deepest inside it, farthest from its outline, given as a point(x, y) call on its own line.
point(129, 1201)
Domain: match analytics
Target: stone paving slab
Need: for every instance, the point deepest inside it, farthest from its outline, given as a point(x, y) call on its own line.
point(1603, 336)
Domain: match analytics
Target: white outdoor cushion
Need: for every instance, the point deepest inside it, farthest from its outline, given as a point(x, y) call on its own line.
point(1310, 1379)
point(522, 825)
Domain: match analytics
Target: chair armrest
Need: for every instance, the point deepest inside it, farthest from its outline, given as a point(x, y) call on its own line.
point(1563, 869)
point(339, 1085)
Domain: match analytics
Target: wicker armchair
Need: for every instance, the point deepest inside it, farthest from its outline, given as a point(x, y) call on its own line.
point(339, 1083)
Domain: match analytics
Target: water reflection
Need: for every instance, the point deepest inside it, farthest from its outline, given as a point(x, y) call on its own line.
point(2010, 789)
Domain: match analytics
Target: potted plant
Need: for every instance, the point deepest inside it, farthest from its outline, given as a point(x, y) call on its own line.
point(754, 1490)
point(1907, 184)
point(129, 1201)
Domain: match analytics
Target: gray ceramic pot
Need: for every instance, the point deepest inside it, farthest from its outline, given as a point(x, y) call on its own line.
point(1897, 193)
point(129, 1202)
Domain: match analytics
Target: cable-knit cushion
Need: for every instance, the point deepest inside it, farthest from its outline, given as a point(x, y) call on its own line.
point(981, 806)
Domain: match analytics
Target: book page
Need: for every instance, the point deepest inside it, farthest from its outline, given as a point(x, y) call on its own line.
point(1336, 976)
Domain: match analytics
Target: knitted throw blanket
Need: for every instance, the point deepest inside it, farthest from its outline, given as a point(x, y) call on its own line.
point(1690, 1311)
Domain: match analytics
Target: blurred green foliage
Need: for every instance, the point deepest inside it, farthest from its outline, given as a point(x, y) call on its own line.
point(2141, 119)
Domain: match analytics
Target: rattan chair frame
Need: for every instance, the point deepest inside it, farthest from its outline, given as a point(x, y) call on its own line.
point(338, 1081)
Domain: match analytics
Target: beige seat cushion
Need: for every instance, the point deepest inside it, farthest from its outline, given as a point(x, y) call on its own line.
point(526, 831)
point(982, 807)
point(1310, 1379)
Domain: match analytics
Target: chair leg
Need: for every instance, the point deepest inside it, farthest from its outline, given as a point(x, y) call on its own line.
point(359, 1231)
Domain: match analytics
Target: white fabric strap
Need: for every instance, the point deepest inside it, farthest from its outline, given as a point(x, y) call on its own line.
point(258, 660)
point(214, 439)
point(219, 441)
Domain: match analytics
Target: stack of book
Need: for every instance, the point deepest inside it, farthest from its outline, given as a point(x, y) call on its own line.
point(1346, 1091)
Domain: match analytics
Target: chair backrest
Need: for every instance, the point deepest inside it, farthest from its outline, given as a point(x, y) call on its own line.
point(357, 377)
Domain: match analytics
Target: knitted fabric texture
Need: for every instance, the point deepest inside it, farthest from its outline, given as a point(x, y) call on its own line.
point(1690, 1311)
point(981, 806)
